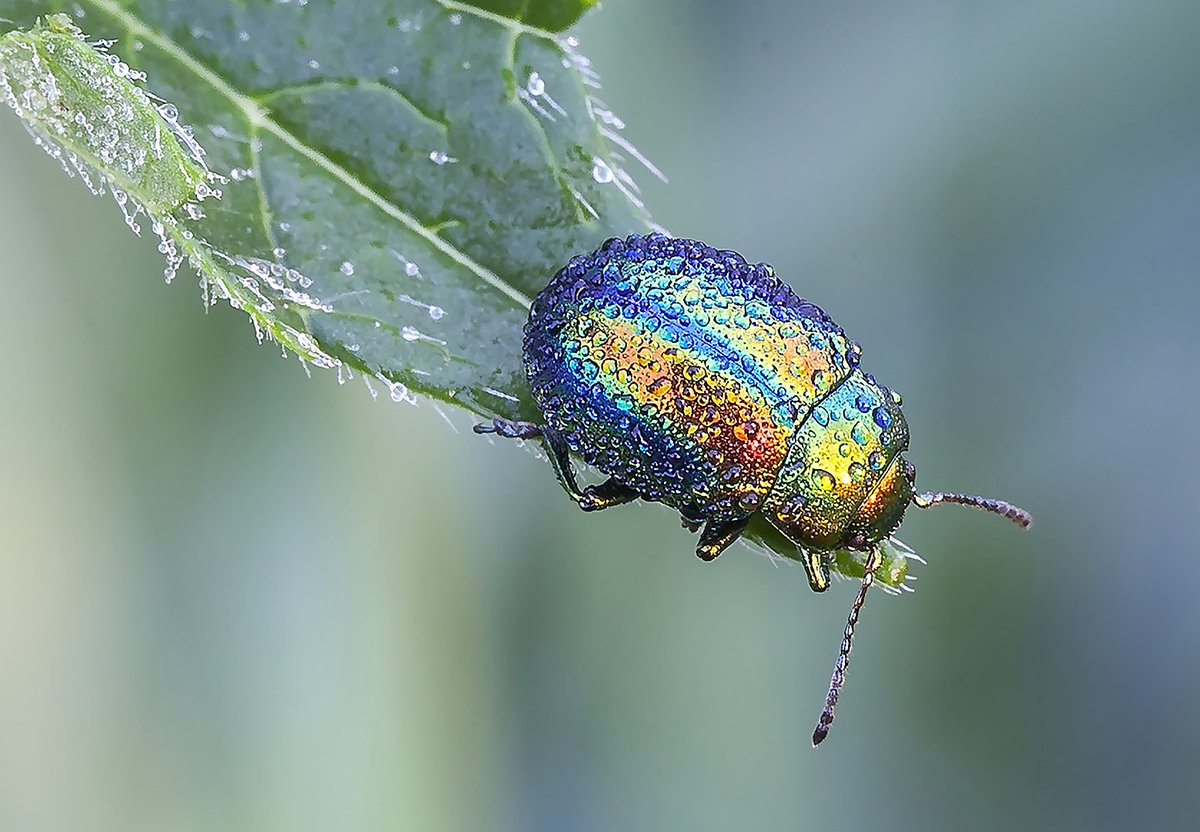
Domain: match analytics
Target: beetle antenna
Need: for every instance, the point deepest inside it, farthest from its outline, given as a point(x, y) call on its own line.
point(874, 559)
point(1018, 515)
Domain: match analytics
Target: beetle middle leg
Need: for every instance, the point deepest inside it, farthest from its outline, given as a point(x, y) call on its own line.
point(716, 537)
point(607, 494)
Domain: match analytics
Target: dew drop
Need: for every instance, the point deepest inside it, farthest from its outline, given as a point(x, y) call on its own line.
point(347, 268)
point(823, 479)
point(882, 417)
point(854, 353)
point(793, 510)
point(601, 172)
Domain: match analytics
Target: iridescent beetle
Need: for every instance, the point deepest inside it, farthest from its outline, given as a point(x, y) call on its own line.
point(695, 379)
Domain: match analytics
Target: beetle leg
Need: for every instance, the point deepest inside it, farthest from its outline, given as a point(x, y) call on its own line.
point(716, 537)
point(607, 494)
point(510, 429)
point(816, 566)
point(560, 461)
point(556, 448)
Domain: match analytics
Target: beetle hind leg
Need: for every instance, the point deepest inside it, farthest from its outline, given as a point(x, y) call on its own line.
point(552, 440)
point(717, 537)
point(606, 495)
point(510, 429)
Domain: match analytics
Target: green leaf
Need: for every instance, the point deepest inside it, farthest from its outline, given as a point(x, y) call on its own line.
point(396, 180)
point(553, 15)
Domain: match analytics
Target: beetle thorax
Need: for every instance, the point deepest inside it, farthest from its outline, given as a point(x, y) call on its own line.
point(844, 482)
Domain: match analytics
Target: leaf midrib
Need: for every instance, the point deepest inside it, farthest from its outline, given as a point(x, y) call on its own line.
point(258, 118)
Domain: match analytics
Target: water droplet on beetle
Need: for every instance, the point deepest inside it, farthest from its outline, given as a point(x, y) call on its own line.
point(793, 510)
point(854, 353)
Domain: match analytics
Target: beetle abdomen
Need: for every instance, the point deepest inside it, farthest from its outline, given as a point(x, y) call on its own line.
point(681, 370)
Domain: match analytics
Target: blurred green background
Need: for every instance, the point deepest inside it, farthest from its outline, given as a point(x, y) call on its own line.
point(233, 597)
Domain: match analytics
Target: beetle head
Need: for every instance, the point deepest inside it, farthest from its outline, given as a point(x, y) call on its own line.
point(883, 509)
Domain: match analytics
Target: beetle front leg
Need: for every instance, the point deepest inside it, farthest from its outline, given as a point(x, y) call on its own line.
point(607, 494)
point(716, 537)
point(816, 566)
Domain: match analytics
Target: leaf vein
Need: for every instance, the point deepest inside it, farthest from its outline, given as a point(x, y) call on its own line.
point(258, 117)
point(264, 96)
point(506, 22)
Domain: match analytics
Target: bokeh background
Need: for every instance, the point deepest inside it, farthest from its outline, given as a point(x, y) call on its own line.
point(235, 598)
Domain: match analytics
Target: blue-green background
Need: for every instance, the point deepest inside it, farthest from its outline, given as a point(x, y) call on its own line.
point(235, 598)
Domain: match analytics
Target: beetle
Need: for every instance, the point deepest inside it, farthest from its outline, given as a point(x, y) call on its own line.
point(694, 378)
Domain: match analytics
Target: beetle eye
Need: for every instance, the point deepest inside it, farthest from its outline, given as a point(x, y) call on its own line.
point(858, 540)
